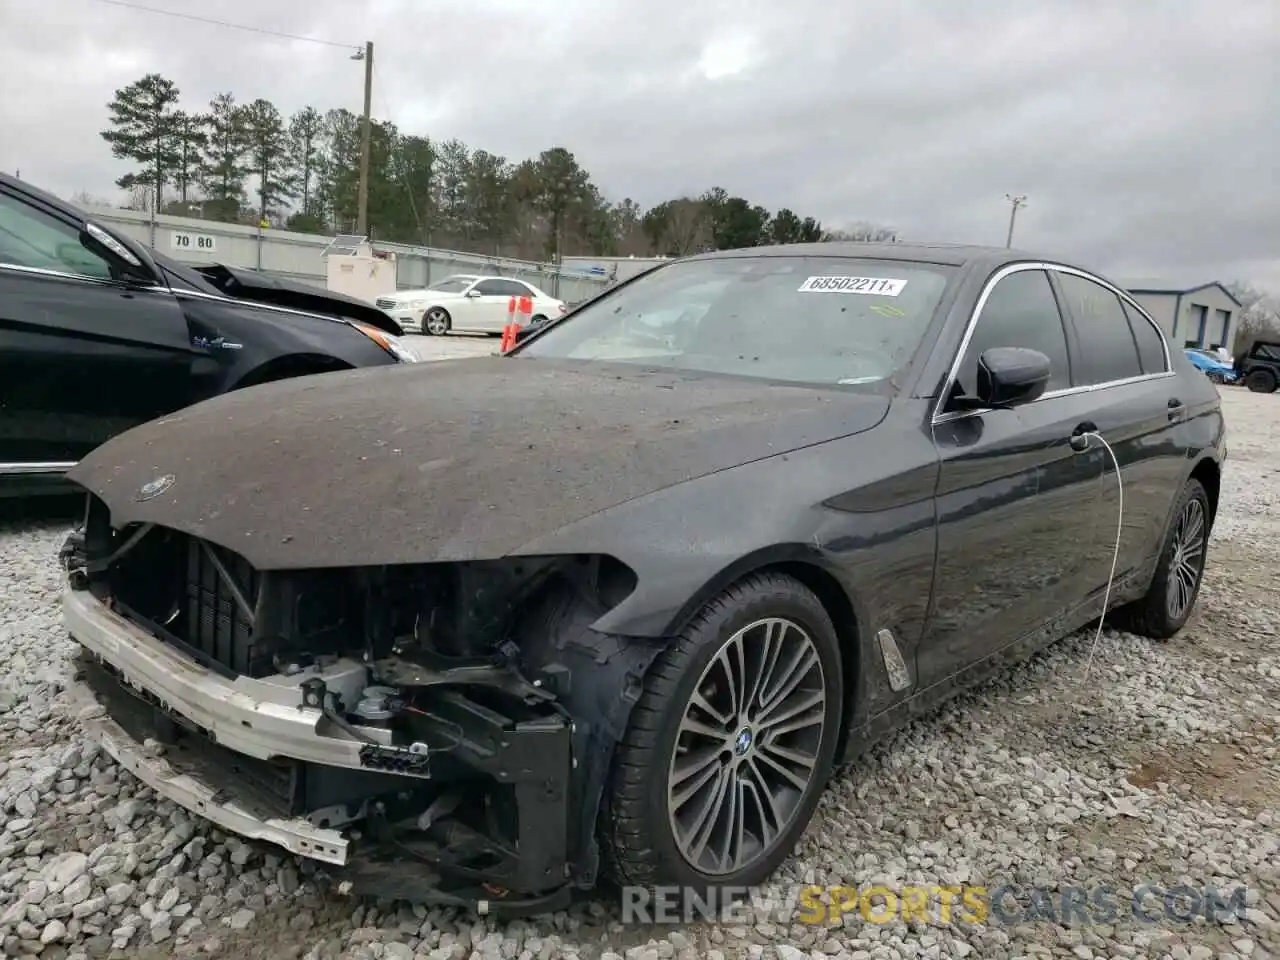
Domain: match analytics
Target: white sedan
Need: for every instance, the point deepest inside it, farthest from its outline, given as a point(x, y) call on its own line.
point(467, 303)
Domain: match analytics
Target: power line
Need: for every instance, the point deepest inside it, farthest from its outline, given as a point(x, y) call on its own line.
point(224, 23)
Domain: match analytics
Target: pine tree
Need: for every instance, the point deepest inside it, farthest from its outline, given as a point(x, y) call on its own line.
point(143, 123)
point(305, 130)
point(340, 176)
point(453, 161)
point(226, 168)
point(269, 155)
point(486, 187)
point(415, 160)
point(561, 191)
point(190, 139)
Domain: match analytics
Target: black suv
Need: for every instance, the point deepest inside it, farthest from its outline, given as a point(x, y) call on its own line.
point(99, 334)
point(1259, 367)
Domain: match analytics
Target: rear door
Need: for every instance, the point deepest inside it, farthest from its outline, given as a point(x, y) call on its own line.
point(85, 353)
point(487, 312)
point(1120, 358)
point(1016, 505)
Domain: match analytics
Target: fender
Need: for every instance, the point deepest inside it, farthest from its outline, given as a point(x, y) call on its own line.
point(238, 338)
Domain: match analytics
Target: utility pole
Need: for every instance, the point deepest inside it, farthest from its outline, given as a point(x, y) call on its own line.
point(366, 133)
point(1016, 202)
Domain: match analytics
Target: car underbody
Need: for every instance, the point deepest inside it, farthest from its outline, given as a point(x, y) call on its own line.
point(434, 732)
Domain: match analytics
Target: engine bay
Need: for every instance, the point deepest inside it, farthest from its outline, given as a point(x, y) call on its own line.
point(456, 681)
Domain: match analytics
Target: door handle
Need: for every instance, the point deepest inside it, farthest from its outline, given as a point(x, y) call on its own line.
point(1079, 436)
point(1175, 409)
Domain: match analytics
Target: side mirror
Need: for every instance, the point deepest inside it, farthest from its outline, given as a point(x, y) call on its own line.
point(95, 238)
point(1011, 376)
point(474, 294)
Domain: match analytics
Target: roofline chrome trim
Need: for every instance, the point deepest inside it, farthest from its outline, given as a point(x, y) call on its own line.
point(953, 371)
point(36, 466)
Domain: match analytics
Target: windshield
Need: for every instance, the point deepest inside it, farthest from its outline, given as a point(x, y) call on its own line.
point(817, 320)
point(452, 285)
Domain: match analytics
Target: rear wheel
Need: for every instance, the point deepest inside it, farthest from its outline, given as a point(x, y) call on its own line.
point(436, 322)
point(731, 743)
point(1167, 605)
point(1261, 381)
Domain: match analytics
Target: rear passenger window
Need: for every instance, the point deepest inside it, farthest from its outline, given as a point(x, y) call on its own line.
point(1150, 344)
point(1107, 348)
point(1021, 311)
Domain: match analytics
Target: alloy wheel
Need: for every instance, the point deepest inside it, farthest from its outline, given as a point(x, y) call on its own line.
point(747, 747)
point(436, 322)
point(1187, 561)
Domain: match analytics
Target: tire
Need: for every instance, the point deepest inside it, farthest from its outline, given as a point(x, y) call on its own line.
point(1154, 615)
point(537, 321)
point(1261, 381)
point(436, 322)
point(637, 829)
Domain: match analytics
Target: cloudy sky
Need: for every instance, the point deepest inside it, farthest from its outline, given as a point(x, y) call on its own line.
point(1145, 134)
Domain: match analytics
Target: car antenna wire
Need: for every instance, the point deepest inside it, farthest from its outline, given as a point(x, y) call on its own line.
point(1115, 551)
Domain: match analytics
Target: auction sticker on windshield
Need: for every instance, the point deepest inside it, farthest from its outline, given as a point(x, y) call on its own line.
point(875, 286)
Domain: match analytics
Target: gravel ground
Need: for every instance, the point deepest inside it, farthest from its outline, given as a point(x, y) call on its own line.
point(452, 347)
point(1161, 768)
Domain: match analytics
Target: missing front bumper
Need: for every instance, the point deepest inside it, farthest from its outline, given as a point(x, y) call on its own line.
point(248, 764)
point(229, 802)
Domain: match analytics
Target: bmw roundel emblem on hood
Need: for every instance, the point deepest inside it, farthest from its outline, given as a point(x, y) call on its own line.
point(159, 485)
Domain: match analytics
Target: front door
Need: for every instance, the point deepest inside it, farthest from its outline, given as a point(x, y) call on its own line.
point(1016, 504)
point(84, 355)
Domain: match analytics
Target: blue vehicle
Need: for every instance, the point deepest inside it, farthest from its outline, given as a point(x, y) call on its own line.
point(1216, 369)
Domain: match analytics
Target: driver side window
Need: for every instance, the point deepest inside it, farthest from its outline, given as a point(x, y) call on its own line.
point(1021, 311)
point(33, 238)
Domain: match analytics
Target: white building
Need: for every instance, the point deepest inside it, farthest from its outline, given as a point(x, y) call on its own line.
point(1191, 315)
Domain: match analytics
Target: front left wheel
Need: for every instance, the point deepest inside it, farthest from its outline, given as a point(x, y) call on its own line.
point(437, 322)
point(731, 744)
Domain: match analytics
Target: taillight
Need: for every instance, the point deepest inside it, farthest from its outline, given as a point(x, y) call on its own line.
point(563, 308)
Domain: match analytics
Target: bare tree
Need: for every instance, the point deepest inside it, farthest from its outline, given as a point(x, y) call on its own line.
point(1259, 316)
point(864, 233)
point(83, 198)
point(140, 197)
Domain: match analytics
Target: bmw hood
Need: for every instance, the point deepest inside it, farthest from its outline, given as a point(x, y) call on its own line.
point(453, 460)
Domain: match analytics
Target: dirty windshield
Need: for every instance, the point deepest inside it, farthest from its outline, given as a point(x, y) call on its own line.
point(819, 320)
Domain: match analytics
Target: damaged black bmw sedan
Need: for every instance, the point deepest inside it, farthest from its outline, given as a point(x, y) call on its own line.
point(616, 604)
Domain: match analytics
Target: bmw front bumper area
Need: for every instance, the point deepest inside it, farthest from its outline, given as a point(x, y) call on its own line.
point(254, 758)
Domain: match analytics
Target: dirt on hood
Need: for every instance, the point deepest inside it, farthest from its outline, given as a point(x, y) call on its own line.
point(452, 460)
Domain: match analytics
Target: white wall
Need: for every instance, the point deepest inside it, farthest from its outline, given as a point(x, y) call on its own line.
point(297, 256)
